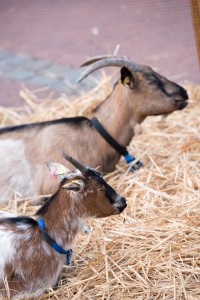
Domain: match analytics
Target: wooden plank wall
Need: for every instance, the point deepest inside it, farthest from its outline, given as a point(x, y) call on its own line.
point(195, 10)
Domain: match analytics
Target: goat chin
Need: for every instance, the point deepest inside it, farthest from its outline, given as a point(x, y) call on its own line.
point(137, 129)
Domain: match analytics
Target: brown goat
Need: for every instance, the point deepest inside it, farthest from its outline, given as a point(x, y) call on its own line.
point(29, 263)
point(141, 92)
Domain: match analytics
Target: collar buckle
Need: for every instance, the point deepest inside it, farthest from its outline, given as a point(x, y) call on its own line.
point(129, 158)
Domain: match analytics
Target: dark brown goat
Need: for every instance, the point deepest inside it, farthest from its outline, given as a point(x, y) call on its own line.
point(141, 92)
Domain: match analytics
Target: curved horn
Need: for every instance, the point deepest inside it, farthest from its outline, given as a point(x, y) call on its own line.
point(109, 61)
point(75, 163)
point(94, 59)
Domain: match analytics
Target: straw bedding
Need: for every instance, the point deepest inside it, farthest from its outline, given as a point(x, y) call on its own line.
point(152, 250)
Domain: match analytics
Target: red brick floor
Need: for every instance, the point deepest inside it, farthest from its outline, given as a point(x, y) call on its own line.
point(155, 32)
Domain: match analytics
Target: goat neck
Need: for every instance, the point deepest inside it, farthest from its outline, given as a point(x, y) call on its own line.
point(117, 116)
point(62, 218)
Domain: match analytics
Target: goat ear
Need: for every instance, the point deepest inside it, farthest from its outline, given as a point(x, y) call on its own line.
point(57, 170)
point(74, 185)
point(127, 78)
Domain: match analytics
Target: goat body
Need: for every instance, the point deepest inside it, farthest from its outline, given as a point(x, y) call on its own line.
point(139, 93)
point(28, 265)
point(18, 169)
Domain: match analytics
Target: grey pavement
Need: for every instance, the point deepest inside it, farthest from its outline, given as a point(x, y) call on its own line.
point(40, 72)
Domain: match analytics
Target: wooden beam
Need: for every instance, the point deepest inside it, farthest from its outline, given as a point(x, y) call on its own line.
point(195, 11)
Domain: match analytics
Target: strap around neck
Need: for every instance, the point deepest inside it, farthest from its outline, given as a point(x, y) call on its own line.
point(122, 150)
point(52, 242)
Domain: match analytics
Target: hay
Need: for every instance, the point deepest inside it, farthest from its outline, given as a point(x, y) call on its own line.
point(152, 250)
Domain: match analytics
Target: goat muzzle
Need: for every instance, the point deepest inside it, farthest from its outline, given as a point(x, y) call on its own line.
point(182, 103)
point(120, 205)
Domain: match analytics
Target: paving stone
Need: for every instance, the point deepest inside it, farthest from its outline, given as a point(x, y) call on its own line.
point(4, 55)
point(17, 60)
point(4, 67)
point(63, 88)
point(19, 74)
point(43, 73)
point(37, 65)
point(59, 86)
point(56, 71)
point(86, 84)
point(42, 80)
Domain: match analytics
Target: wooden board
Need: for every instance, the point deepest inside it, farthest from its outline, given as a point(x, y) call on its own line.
point(195, 11)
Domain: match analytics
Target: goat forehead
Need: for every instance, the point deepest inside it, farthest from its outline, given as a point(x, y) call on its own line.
point(151, 76)
point(99, 181)
point(110, 189)
point(161, 82)
point(146, 70)
point(148, 73)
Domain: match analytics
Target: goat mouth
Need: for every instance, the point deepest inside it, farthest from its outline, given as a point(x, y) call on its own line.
point(181, 103)
point(120, 208)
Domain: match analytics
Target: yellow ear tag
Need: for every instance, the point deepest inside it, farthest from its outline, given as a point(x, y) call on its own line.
point(126, 80)
point(60, 170)
point(76, 182)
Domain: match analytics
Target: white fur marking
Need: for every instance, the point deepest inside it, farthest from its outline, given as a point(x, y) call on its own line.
point(85, 229)
point(7, 248)
point(6, 214)
point(16, 171)
point(22, 226)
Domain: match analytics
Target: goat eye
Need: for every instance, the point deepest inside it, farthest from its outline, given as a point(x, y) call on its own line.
point(153, 81)
point(101, 190)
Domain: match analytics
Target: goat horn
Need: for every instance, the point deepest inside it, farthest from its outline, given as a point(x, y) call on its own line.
point(94, 59)
point(98, 62)
point(75, 163)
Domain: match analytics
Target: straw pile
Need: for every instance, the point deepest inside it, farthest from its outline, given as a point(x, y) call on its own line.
point(152, 250)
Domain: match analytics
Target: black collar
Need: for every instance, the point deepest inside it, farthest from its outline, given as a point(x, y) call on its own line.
point(122, 150)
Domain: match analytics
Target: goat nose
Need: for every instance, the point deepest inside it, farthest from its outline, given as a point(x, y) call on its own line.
point(184, 94)
point(121, 204)
point(123, 201)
